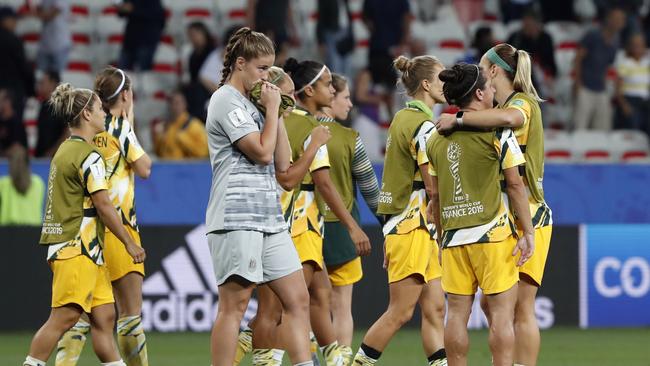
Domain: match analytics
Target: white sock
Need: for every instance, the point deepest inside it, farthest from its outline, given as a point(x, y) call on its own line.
point(278, 354)
point(31, 361)
point(114, 363)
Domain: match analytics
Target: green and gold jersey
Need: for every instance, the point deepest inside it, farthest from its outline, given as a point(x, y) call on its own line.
point(341, 153)
point(120, 148)
point(531, 141)
point(468, 165)
point(305, 213)
point(403, 195)
point(71, 226)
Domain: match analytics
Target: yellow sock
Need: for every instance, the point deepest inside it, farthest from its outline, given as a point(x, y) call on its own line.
point(71, 344)
point(332, 354)
point(346, 352)
point(267, 357)
point(244, 344)
point(132, 341)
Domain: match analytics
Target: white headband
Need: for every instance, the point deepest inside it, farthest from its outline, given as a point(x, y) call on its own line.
point(119, 88)
point(322, 70)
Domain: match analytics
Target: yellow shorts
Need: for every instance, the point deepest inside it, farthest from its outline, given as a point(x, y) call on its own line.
point(534, 267)
point(118, 260)
point(78, 280)
point(346, 274)
point(413, 253)
point(490, 266)
point(309, 246)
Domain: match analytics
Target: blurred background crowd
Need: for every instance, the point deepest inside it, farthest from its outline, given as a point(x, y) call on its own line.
point(590, 57)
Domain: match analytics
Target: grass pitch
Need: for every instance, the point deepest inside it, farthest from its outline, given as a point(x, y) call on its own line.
point(560, 346)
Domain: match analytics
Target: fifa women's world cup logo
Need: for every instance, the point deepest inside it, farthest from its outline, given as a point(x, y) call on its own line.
point(453, 156)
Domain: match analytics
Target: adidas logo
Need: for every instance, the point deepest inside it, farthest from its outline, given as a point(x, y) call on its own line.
point(183, 296)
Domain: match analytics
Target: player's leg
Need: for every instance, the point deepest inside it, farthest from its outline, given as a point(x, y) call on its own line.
point(456, 339)
point(292, 293)
point(102, 321)
point(282, 273)
point(266, 341)
point(502, 335)
point(432, 306)
point(321, 319)
point(72, 343)
point(404, 294)
point(527, 338)
point(130, 332)
point(342, 318)
point(234, 295)
point(60, 319)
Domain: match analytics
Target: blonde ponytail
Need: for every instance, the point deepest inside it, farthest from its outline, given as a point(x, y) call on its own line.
point(523, 81)
point(517, 66)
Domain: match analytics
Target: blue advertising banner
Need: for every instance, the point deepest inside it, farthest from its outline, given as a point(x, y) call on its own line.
point(615, 275)
point(177, 193)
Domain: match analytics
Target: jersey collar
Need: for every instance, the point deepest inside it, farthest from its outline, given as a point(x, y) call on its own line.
point(509, 97)
point(78, 138)
point(418, 104)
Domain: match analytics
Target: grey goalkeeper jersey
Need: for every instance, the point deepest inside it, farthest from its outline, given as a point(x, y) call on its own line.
point(243, 195)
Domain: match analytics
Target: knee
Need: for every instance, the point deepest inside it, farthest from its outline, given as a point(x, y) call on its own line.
point(320, 297)
point(400, 316)
point(298, 303)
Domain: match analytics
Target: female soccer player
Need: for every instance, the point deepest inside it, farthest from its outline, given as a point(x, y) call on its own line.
point(473, 222)
point(247, 233)
point(264, 337)
point(314, 91)
point(410, 252)
point(78, 206)
point(509, 70)
point(350, 167)
point(124, 157)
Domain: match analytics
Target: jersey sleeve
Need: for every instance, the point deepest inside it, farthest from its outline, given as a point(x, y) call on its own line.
point(523, 106)
point(130, 147)
point(507, 148)
point(419, 142)
point(432, 169)
point(236, 122)
point(322, 158)
point(93, 173)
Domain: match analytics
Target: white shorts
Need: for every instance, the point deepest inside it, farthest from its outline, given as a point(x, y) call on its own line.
point(257, 257)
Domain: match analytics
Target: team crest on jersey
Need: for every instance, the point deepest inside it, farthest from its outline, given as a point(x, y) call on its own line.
point(517, 103)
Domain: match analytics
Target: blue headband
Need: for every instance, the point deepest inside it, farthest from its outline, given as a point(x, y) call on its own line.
point(496, 59)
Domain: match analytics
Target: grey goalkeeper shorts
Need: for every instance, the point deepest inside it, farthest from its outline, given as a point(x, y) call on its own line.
point(258, 257)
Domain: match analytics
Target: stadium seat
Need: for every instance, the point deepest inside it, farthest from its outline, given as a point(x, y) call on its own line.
point(96, 6)
point(108, 23)
point(229, 13)
point(78, 78)
point(149, 112)
point(81, 57)
point(630, 145)
point(156, 84)
point(557, 146)
point(592, 146)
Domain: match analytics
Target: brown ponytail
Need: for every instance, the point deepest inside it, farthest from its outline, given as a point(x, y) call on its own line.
point(247, 44)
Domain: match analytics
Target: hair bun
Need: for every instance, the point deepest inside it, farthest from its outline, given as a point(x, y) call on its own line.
point(453, 75)
point(62, 98)
point(291, 65)
point(402, 63)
